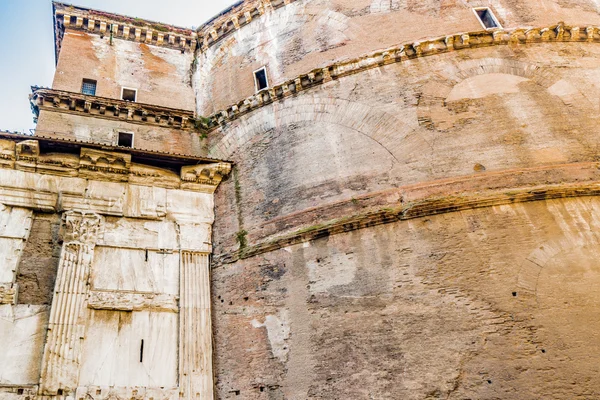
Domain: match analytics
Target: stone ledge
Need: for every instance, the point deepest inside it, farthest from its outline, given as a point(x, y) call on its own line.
point(415, 201)
point(102, 165)
point(132, 301)
point(103, 107)
point(395, 54)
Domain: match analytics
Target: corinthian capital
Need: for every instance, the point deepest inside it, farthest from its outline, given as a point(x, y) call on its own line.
point(83, 227)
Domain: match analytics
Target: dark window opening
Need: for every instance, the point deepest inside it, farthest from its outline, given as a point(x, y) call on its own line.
point(129, 94)
point(260, 78)
point(125, 139)
point(59, 392)
point(88, 86)
point(487, 18)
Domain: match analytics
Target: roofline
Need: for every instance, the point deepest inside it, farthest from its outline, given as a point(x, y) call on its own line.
point(179, 37)
point(141, 153)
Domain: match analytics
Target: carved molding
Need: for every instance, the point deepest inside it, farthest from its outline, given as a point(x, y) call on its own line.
point(416, 201)
point(125, 393)
point(102, 165)
point(82, 227)
point(130, 301)
point(8, 293)
point(553, 34)
point(204, 174)
point(126, 28)
point(113, 109)
point(235, 18)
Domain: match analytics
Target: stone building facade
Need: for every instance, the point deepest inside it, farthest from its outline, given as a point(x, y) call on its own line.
point(309, 199)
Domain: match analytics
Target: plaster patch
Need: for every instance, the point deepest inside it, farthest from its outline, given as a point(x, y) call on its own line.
point(481, 86)
point(278, 331)
point(326, 274)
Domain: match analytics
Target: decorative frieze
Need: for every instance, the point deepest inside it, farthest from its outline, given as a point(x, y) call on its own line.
point(121, 27)
point(8, 293)
point(103, 107)
point(235, 18)
point(101, 165)
point(400, 53)
point(131, 301)
point(197, 176)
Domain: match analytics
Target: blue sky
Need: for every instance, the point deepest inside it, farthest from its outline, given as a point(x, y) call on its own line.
point(27, 48)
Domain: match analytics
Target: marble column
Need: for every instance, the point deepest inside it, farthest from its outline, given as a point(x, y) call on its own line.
point(66, 327)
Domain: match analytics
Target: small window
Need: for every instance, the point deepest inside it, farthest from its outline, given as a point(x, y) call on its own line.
point(88, 86)
point(487, 18)
point(128, 94)
point(125, 139)
point(260, 79)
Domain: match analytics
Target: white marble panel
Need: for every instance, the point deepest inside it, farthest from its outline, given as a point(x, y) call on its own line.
point(136, 233)
point(10, 254)
point(113, 354)
point(189, 206)
point(22, 333)
point(130, 270)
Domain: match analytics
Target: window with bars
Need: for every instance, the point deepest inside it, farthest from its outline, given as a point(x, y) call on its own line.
point(88, 86)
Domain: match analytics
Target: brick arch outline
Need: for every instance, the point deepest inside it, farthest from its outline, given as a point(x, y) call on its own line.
point(534, 263)
point(381, 127)
point(434, 94)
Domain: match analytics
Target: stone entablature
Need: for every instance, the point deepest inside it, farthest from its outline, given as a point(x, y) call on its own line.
point(126, 28)
point(132, 284)
point(103, 107)
point(106, 165)
point(400, 53)
point(234, 18)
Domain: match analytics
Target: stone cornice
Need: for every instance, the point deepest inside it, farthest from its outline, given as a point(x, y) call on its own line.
point(553, 34)
point(103, 107)
point(102, 165)
point(97, 22)
point(235, 18)
point(414, 201)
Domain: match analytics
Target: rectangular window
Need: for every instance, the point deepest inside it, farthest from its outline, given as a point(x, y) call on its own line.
point(88, 86)
point(487, 18)
point(260, 79)
point(125, 139)
point(128, 94)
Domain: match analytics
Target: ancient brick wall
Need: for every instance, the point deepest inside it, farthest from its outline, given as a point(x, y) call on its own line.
point(420, 228)
point(160, 75)
point(307, 34)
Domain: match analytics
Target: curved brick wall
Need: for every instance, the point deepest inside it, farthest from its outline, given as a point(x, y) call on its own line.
point(423, 229)
point(306, 34)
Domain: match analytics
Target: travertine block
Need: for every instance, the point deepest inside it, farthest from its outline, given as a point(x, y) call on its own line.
point(22, 333)
point(113, 353)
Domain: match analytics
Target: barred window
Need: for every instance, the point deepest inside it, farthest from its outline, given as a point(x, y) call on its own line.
point(88, 87)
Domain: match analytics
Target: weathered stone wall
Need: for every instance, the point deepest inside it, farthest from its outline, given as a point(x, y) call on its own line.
point(335, 277)
point(296, 38)
point(488, 303)
point(104, 279)
point(106, 131)
point(39, 260)
point(161, 75)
